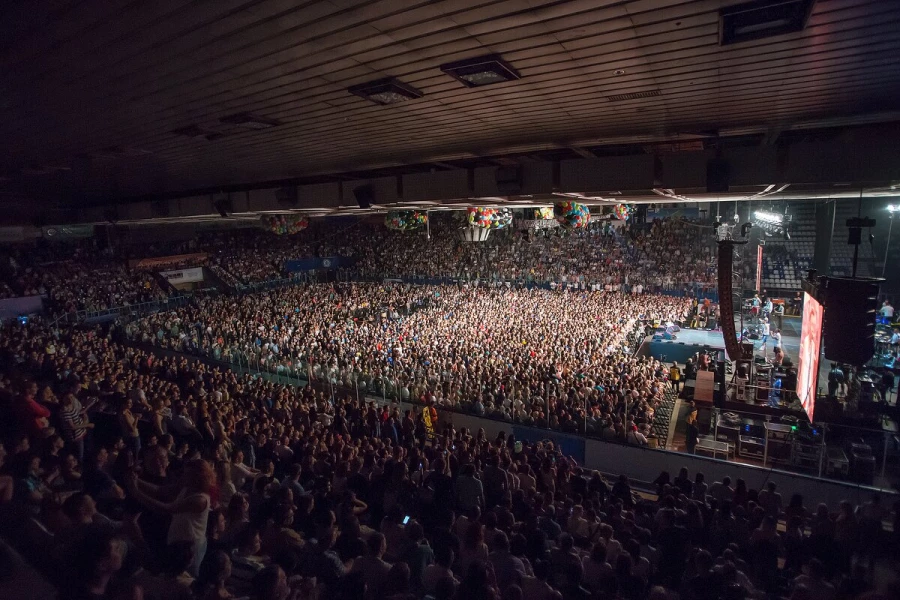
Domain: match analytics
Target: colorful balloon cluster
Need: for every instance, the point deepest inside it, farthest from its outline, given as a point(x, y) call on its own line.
point(571, 215)
point(286, 224)
point(405, 220)
point(489, 218)
point(622, 211)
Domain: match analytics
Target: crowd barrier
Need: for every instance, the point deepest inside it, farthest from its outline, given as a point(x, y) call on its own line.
point(109, 314)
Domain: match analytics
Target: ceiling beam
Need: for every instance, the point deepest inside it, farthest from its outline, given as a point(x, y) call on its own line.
point(582, 152)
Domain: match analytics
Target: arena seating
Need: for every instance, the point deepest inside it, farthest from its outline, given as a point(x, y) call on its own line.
point(785, 262)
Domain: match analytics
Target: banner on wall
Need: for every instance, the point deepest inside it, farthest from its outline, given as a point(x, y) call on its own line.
point(161, 261)
point(685, 212)
point(183, 275)
point(311, 264)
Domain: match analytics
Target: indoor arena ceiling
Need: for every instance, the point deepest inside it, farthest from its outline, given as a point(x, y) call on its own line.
point(127, 98)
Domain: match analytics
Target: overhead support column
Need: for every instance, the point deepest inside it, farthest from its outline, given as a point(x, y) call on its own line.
point(824, 234)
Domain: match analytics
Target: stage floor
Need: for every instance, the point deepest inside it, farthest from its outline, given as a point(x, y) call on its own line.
point(790, 339)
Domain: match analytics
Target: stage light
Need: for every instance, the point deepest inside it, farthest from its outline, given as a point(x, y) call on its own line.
point(768, 217)
point(892, 208)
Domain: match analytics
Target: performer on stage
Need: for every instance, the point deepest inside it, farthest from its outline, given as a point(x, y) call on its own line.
point(764, 334)
point(887, 313)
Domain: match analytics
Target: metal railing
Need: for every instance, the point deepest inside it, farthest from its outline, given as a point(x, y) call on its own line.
point(140, 308)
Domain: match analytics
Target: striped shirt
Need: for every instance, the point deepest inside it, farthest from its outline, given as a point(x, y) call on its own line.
point(73, 422)
point(243, 570)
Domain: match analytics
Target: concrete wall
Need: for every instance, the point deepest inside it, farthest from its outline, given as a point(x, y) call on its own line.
point(644, 464)
point(11, 308)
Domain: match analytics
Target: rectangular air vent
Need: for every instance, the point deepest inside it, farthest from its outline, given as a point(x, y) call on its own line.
point(249, 121)
point(385, 91)
point(633, 96)
point(197, 132)
point(482, 70)
point(762, 19)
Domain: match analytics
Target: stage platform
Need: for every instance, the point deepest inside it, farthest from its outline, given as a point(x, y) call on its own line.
point(688, 341)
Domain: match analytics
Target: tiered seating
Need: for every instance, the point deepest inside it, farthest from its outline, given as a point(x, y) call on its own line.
point(785, 262)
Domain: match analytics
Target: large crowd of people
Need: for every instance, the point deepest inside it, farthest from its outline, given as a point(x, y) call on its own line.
point(520, 354)
point(74, 278)
point(662, 256)
point(128, 473)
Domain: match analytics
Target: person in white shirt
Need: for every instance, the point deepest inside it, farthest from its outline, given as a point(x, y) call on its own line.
point(887, 312)
point(764, 334)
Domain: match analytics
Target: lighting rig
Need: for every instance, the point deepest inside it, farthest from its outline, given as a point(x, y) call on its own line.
point(773, 223)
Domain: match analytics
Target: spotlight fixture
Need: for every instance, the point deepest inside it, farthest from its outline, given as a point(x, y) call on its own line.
point(768, 217)
point(773, 223)
point(249, 121)
point(385, 91)
point(891, 208)
point(480, 71)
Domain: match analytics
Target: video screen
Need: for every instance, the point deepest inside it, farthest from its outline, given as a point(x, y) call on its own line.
point(810, 348)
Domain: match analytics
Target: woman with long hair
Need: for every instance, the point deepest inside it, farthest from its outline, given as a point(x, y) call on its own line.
point(237, 517)
point(189, 509)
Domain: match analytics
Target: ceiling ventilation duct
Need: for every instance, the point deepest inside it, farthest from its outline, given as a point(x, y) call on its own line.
point(762, 19)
